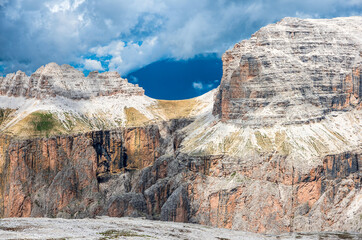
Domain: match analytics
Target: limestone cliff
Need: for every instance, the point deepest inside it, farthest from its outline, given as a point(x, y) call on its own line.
point(294, 71)
point(276, 148)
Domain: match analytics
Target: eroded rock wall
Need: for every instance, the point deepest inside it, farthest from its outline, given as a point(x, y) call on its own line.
point(270, 195)
point(61, 175)
point(292, 72)
point(128, 172)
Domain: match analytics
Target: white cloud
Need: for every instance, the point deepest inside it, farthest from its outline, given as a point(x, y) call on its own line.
point(65, 5)
point(198, 85)
point(129, 34)
point(114, 48)
point(204, 86)
point(90, 64)
point(126, 57)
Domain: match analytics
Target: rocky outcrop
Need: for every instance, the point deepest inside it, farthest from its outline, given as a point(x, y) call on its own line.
point(292, 72)
point(53, 80)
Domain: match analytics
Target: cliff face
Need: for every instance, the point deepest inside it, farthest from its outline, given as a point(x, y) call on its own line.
point(61, 175)
point(294, 71)
point(276, 148)
point(104, 173)
point(269, 196)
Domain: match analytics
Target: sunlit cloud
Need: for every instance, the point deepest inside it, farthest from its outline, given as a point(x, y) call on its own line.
point(90, 64)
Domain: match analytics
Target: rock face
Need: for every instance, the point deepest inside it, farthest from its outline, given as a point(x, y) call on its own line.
point(54, 80)
point(294, 71)
point(270, 196)
point(277, 148)
point(92, 174)
point(60, 176)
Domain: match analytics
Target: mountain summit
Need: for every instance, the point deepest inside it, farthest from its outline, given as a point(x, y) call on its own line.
point(53, 80)
point(294, 71)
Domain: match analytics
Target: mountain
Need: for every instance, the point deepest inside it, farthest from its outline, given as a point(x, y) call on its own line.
point(277, 147)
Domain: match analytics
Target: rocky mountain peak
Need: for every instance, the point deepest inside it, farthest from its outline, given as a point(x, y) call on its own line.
point(53, 80)
point(294, 71)
point(53, 69)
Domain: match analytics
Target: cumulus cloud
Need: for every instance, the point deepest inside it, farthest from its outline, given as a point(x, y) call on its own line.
point(126, 35)
point(90, 64)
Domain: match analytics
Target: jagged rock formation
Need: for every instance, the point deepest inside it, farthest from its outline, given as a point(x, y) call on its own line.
point(276, 148)
point(54, 80)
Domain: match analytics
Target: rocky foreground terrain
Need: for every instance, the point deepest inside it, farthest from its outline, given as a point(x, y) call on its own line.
point(102, 228)
point(276, 148)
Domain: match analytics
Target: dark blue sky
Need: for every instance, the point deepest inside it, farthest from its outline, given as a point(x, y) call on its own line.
point(136, 36)
point(170, 79)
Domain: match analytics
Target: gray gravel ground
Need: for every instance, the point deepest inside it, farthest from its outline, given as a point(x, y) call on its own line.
point(132, 228)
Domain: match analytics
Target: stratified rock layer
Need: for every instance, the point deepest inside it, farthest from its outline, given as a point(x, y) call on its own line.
point(53, 80)
point(294, 71)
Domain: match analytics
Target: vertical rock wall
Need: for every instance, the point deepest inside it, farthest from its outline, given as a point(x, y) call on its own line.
point(42, 177)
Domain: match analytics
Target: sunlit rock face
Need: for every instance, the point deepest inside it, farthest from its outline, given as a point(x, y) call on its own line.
point(294, 71)
point(53, 80)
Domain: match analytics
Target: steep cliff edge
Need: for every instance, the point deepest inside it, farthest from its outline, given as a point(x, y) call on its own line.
point(276, 148)
point(294, 71)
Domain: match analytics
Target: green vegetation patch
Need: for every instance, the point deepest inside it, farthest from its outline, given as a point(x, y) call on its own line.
point(43, 122)
point(114, 234)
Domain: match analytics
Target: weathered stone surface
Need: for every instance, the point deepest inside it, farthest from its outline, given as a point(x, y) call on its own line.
point(292, 72)
point(61, 177)
point(53, 80)
point(280, 199)
point(128, 204)
point(176, 207)
point(43, 177)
